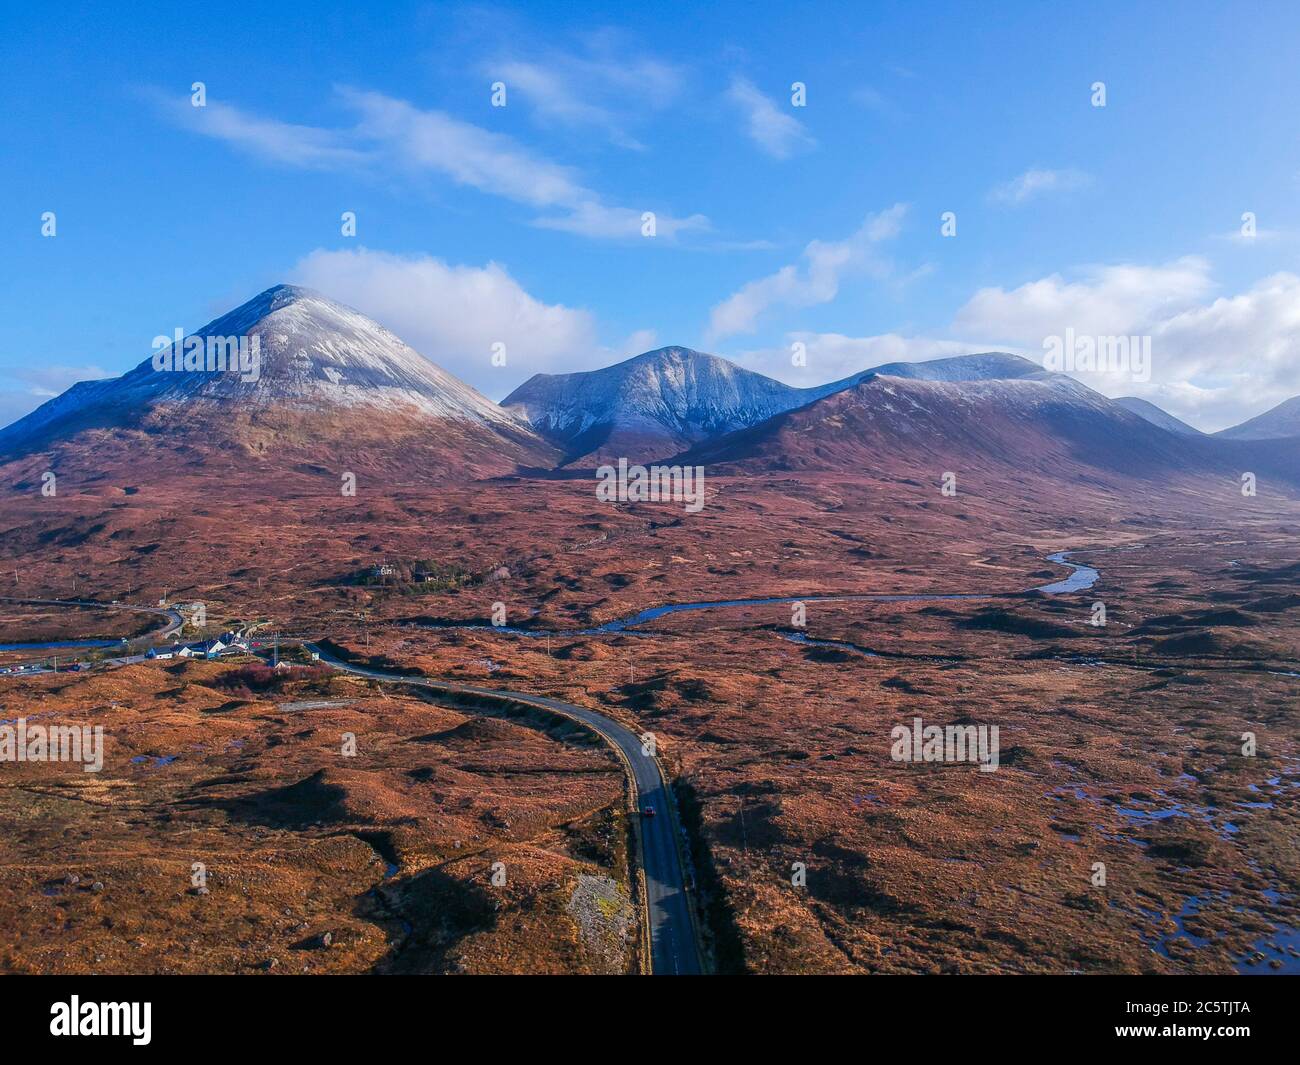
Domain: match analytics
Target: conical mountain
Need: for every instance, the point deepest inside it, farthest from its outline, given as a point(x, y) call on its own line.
point(318, 383)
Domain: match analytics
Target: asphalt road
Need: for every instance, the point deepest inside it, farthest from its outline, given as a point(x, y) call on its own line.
point(173, 616)
point(673, 948)
point(174, 624)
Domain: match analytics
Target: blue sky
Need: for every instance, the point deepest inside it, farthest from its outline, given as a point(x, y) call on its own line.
point(775, 223)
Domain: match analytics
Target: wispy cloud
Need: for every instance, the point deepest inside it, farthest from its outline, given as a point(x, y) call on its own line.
point(875, 100)
point(51, 380)
point(307, 147)
point(1258, 236)
point(465, 153)
point(591, 218)
point(605, 87)
point(1037, 182)
point(395, 134)
point(555, 99)
point(775, 131)
point(42, 383)
point(824, 264)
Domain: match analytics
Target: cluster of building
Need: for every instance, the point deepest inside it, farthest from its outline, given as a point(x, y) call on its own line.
point(384, 571)
point(225, 644)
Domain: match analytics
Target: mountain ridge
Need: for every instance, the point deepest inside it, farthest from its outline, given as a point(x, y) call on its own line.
point(1277, 423)
point(668, 399)
point(1157, 415)
point(1047, 424)
point(326, 377)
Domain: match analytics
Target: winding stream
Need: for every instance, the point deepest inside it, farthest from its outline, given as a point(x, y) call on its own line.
point(59, 644)
point(173, 624)
point(1080, 578)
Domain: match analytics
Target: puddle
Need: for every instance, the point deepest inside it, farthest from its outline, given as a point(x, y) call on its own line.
point(1135, 814)
point(1276, 947)
point(159, 760)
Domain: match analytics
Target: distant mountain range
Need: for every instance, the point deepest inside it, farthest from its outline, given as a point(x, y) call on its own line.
point(1040, 428)
point(668, 399)
point(1040, 422)
point(334, 390)
point(1280, 422)
point(1156, 416)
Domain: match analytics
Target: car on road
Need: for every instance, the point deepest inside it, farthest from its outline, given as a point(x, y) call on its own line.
point(647, 810)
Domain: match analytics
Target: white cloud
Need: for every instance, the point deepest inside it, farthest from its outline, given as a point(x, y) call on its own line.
point(54, 380)
point(777, 132)
point(874, 100)
point(1215, 362)
point(308, 147)
point(1219, 363)
point(614, 223)
point(454, 314)
point(1037, 182)
point(393, 133)
point(602, 89)
point(463, 152)
point(553, 98)
point(1106, 301)
point(1260, 236)
point(831, 356)
point(638, 343)
point(43, 382)
point(825, 262)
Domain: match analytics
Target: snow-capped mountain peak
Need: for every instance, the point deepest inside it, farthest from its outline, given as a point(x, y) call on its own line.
point(667, 399)
point(655, 402)
point(291, 370)
point(309, 353)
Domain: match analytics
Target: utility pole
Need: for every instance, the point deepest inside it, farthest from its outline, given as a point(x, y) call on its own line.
point(276, 654)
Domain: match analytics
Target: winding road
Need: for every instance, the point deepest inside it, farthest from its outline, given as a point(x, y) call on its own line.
point(674, 947)
point(674, 942)
point(173, 616)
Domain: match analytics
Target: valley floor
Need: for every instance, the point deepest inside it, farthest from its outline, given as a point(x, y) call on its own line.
point(1121, 745)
